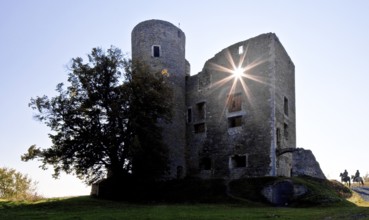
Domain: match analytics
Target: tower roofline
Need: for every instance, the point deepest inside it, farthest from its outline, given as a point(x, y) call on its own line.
point(156, 22)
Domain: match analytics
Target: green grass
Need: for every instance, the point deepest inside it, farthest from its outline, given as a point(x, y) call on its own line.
point(89, 208)
point(320, 192)
point(194, 199)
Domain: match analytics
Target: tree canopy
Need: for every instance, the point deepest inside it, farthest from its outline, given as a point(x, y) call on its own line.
point(106, 121)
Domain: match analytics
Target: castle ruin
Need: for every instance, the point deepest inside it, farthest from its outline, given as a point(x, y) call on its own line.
point(236, 118)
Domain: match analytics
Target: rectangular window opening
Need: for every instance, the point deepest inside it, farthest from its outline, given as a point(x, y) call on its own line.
point(205, 163)
point(235, 121)
point(156, 51)
point(235, 102)
point(240, 49)
point(239, 161)
point(200, 107)
point(199, 128)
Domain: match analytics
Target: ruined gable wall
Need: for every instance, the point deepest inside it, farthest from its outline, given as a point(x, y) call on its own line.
point(219, 142)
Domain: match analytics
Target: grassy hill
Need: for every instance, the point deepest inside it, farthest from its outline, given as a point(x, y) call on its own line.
point(319, 192)
point(325, 200)
point(249, 190)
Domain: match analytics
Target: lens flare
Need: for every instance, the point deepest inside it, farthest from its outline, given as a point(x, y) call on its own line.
point(238, 72)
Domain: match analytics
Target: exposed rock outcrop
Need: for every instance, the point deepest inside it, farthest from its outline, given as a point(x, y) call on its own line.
point(305, 164)
point(282, 192)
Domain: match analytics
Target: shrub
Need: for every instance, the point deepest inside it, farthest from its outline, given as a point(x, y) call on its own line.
point(16, 186)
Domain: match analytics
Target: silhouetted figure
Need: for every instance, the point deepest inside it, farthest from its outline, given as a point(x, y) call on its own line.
point(357, 174)
point(345, 174)
point(357, 178)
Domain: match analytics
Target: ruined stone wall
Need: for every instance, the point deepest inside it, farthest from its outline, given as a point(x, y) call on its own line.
point(161, 45)
point(221, 150)
point(285, 113)
point(208, 138)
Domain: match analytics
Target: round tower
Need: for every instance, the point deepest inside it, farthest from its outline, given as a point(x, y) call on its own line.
point(161, 45)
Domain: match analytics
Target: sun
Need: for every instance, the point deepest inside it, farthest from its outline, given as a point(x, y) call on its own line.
point(238, 72)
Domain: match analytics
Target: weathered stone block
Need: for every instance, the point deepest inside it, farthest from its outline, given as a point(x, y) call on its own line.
point(304, 163)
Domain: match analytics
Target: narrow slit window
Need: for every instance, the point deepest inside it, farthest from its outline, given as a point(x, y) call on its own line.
point(285, 106)
point(189, 115)
point(156, 51)
point(278, 131)
point(285, 131)
point(240, 49)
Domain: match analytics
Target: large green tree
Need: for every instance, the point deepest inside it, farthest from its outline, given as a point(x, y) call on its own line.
point(106, 122)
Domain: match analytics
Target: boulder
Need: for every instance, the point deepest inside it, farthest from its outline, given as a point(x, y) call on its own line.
point(305, 164)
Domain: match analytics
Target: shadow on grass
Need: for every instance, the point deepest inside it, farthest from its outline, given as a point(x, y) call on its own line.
point(89, 208)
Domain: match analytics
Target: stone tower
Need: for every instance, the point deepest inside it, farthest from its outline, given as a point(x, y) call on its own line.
point(161, 45)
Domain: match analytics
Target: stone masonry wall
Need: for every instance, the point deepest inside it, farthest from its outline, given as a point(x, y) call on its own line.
point(224, 127)
point(171, 42)
point(285, 113)
point(220, 145)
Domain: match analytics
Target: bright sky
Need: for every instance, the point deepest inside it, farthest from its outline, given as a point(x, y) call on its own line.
point(328, 42)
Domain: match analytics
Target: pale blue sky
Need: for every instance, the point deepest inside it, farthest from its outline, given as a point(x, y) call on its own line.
point(327, 41)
